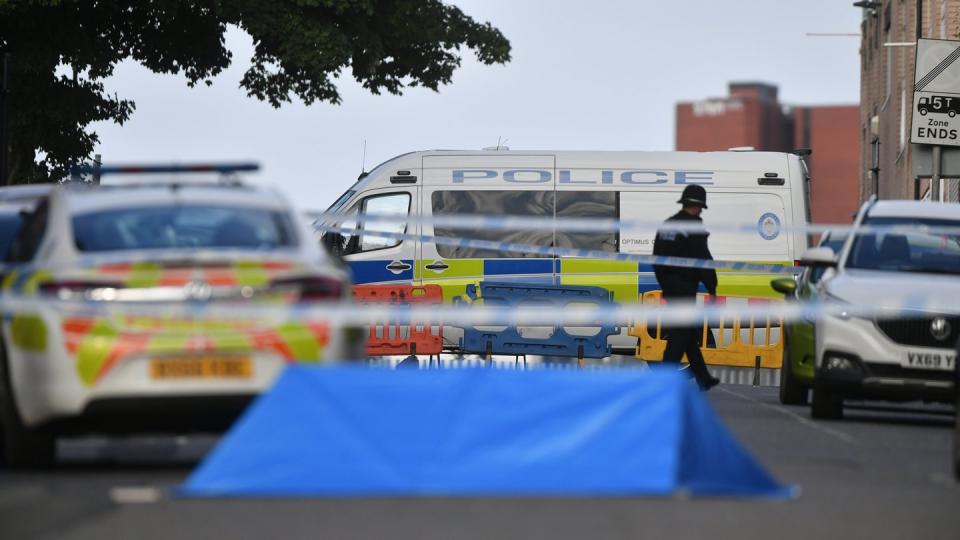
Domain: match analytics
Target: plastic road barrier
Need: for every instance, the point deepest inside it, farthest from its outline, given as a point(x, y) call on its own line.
point(738, 342)
point(392, 337)
point(587, 342)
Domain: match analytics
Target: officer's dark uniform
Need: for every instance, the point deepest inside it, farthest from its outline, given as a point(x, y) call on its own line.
point(681, 283)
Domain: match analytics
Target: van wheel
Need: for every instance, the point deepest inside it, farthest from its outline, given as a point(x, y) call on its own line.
point(826, 405)
point(23, 446)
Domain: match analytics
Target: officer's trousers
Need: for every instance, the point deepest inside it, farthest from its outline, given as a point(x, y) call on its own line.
point(684, 340)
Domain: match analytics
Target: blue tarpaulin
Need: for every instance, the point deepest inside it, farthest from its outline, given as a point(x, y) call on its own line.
point(348, 431)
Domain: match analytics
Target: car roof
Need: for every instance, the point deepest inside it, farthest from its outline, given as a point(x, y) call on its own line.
point(914, 209)
point(93, 198)
point(24, 192)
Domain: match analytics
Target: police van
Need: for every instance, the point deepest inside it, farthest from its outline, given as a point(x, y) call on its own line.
point(767, 191)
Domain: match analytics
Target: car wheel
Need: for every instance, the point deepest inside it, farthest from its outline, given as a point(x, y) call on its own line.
point(956, 446)
point(825, 404)
point(23, 446)
point(792, 391)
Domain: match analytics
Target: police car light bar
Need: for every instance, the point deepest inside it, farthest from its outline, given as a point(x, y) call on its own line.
point(221, 168)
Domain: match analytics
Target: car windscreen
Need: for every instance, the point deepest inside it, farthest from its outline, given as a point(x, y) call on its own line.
point(907, 250)
point(9, 226)
point(182, 226)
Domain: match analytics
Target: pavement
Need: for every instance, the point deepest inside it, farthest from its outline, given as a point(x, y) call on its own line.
point(883, 472)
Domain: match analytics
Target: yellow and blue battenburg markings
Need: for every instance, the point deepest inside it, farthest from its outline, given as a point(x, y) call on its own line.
point(626, 275)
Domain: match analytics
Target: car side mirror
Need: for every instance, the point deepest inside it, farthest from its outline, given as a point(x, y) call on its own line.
point(785, 285)
point(819, 257)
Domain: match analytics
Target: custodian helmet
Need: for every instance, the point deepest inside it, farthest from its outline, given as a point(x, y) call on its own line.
point(694, 195)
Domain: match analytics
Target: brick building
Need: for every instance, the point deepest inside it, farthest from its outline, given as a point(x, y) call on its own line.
point(753, 116)
point(887, 49)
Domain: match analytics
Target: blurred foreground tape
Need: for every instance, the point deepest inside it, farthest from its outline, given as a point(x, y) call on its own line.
point(345, 431)
point(737, 342)
point(393, 337)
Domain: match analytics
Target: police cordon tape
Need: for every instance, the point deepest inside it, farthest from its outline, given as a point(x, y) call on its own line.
point(573, 252)
point(573, 224)
point(573, 315)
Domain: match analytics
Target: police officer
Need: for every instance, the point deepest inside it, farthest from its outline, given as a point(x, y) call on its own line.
point(680, 284)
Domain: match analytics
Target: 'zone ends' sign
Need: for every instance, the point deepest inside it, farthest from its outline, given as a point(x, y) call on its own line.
point(936, 93)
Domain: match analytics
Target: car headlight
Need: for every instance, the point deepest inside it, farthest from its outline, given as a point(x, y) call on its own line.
point(840, 308)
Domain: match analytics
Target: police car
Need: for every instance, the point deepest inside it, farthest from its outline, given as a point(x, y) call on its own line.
point(898, 355)
point(146, 251)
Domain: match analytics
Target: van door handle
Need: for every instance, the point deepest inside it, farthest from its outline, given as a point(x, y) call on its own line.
point(437, 266)
point(398, 266)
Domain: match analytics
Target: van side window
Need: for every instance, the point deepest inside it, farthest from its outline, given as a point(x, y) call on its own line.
point(393, 204)
point(505, 203)
point(587, 204)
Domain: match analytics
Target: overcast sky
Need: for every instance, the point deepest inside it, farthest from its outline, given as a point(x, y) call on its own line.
point(601, 75)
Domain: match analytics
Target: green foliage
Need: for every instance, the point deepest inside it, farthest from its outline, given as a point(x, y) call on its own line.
point(60, 51)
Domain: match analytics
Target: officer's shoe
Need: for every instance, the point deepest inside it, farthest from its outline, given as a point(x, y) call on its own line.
point(708, 384)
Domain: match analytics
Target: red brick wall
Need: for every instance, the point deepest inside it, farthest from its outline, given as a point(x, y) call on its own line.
point(722, 124)
point(703, 127)
point(834, 164)
point(753, 117)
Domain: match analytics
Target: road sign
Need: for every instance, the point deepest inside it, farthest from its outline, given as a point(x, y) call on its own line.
point(936, 96)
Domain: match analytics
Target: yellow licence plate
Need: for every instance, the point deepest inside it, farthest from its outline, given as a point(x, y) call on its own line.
point(201, 367)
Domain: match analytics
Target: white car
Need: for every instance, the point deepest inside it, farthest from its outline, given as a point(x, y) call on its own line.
point(898, 356)
point(162, 246)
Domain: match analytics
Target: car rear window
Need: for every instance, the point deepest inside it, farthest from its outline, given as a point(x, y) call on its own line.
point(182, 226)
